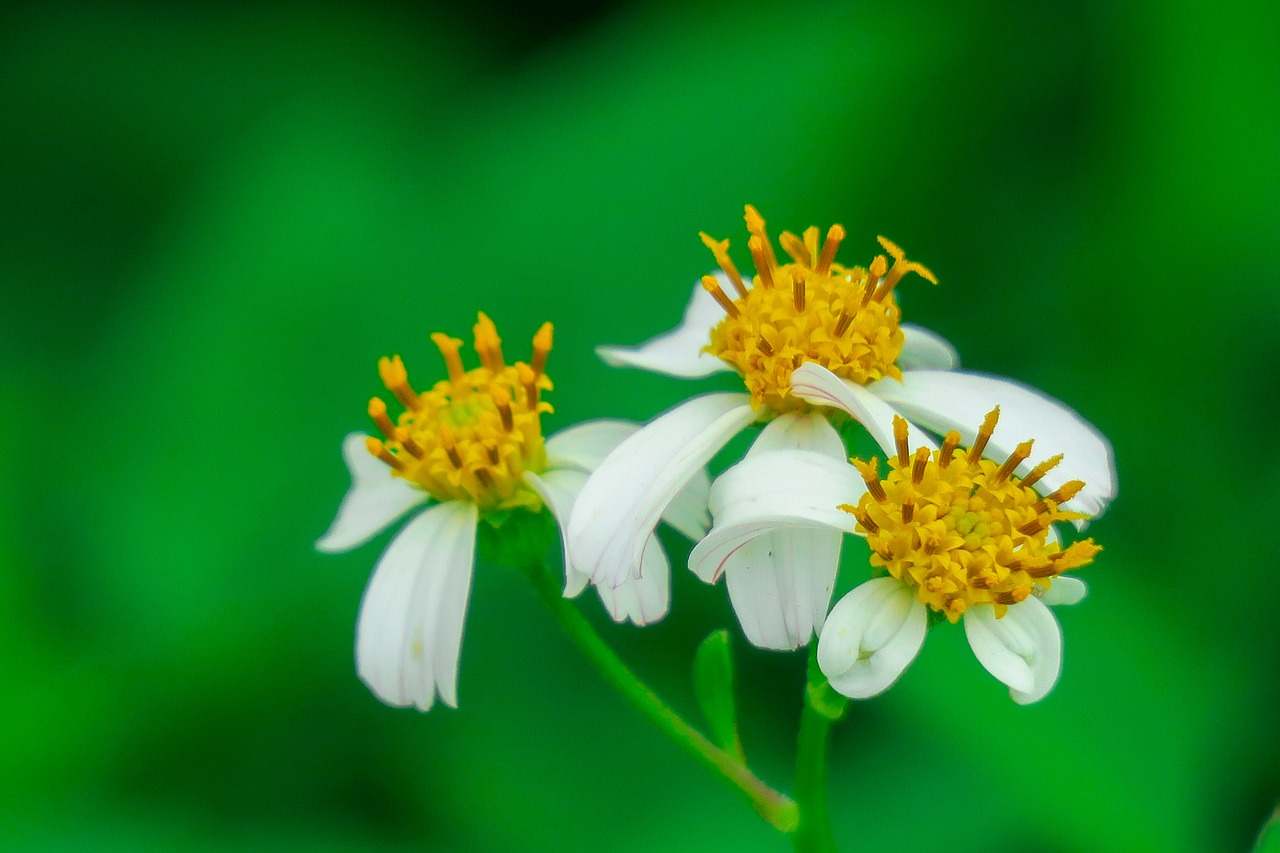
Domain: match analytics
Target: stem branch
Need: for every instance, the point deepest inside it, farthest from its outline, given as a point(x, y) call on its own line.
point(776, 808)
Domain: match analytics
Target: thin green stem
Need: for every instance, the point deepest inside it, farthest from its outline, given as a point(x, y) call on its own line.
point(822, 707)
point(776, 808)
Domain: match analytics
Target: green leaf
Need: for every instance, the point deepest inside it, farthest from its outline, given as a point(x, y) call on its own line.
point(713, 685)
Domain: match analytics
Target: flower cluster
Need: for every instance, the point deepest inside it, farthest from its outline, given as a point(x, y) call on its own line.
point(959, 532)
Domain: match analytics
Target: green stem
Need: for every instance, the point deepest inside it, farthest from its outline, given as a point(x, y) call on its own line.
point(776, 808)
point(822, 707)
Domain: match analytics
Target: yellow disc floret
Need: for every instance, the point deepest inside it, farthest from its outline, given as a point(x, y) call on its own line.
point(964, 530)
point(811, 309)
point(474, 435)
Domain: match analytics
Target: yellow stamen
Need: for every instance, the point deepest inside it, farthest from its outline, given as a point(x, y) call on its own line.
point(761, 259)
point(756, 227)
point(870, 472)
point(1064, 493)
point(900, 439)
point(1040, 470)
point(450, 445)
point(1016, 458)
point(378, 449)
point(378, 412)
point(984, 434)
point(450, 348)
point(406, 441)
point(842, 325)
point(713, 287)
point(835, 234)
point(949, 445)
point(488, 344)
point(917, 467)
point(502, 401)
point(797, 289)
point(901, 266)
point(541, 348)
point(528, 381)
point(720, 249)
point(794, 246)
point(396, 378)
point(874, 276)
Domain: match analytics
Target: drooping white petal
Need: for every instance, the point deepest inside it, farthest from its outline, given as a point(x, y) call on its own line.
point(410, 629)
point(679, 351)
point(374, 500)
point(775, 490)
point(584, 446)
point(926, 350)
point(944, 400)
point(811, 431)
point(870, 637)
point(1065, 590)
point(623, 500)
point(642, 600)
point(688, 512)
point(559, 489)
point(817, 385)
point(645, 599)
point(1023, 648)
point(780, 584)
point(780, 565)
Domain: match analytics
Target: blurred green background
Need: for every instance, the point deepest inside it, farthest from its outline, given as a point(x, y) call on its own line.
point(215, 220)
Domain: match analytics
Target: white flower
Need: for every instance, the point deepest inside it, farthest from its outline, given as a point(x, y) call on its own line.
point(777, 530)
point(964, 537)
point(469, 448)
point(840, 327)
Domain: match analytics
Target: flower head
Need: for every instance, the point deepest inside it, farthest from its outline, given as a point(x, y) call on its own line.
point(811, 309)
point(966, 538)
point(473, 445)
point(962, 530)
point(473, 436)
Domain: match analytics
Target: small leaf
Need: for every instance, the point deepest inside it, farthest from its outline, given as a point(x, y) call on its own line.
point(713, 685)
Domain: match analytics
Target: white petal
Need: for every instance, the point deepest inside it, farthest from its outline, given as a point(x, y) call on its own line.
point(946, 400)
point(1065, 590)
point(772, 490)
point(871, 635)
point(1023, 648)
point(688, 512)
point(584, 446)
point(374, 500)
point(645, 599)
point(780, 584)
point(791, 431)
point(410, 630)
point(559, 489)
point(817, 385)
point(623, 500)
point(679, 351)
point(926, 350)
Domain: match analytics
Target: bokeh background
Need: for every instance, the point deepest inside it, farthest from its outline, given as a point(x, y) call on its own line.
point(214, 220)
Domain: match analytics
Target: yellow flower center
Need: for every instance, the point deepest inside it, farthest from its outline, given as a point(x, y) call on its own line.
point(473, 435)
point(962, 529)
point(812, 309)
